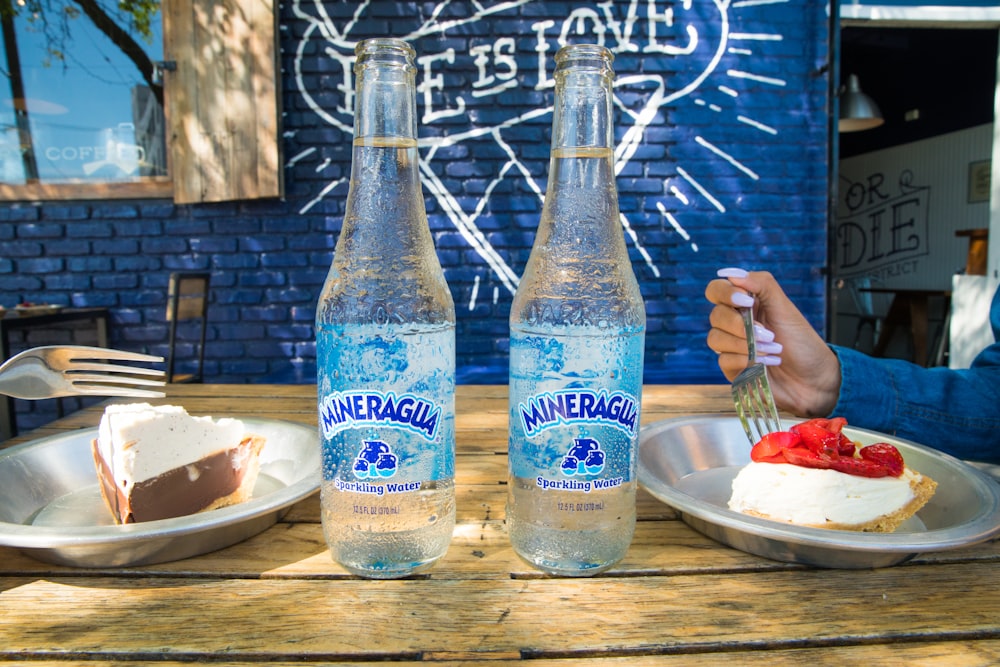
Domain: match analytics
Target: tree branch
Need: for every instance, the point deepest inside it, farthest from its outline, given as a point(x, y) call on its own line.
point(132, 50)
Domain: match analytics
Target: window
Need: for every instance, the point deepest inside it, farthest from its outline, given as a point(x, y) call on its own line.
point(97, 106)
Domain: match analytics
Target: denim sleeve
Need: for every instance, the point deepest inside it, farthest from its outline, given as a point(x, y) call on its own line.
point(953, 410)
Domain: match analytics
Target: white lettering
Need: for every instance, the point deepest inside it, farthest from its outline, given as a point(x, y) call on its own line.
point(431, 83)
point(346, 86)
point(541, 48)
point(655, 18)
point(503, 58)
point(579, 18)
point(71, 153)
point(623, 38)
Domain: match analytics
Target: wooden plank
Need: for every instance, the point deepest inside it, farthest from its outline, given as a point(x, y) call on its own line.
point(966, 653)
point(222, 103)
point(540, 616)
point(478, 550)
point(147, 188)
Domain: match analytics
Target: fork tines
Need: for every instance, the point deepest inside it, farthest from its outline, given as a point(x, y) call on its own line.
point(79, 352)
point(88, 374)
point(755, 403)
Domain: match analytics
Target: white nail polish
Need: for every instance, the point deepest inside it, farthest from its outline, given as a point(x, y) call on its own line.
point(742, 300)
point(769, 348)
point(763, 334)
point(731, 272)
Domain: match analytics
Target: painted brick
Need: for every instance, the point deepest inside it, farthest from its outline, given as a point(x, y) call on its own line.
point(115, 247)
point(89, 230)
point(114, 211)
point(18, 213)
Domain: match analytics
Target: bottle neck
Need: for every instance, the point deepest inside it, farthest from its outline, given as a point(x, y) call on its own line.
point(581, 201)
point(582, 115)
point(384, 218)
point(386, 97)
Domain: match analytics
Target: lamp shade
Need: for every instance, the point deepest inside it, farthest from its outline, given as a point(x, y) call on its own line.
point(857, 110)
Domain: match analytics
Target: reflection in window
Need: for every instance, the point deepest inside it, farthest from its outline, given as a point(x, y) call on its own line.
point(81, 102)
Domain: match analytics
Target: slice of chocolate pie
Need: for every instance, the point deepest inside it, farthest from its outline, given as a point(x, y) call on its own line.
point(159, 462)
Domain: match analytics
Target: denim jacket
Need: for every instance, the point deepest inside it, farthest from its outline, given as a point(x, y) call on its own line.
point(955, 411)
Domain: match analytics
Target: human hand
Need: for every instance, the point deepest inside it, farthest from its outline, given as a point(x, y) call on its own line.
point(804, 372)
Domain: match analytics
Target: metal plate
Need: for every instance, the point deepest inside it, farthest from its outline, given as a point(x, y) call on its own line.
point(51, 507)
point(690, 463)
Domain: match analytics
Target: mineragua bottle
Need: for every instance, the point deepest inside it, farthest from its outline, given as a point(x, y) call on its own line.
point(577, 332)
point(385, 345)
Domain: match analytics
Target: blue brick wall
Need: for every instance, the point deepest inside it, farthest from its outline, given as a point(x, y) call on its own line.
point(730, 169)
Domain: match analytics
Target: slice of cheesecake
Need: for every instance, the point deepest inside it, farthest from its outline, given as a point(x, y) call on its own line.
point(159, 462)
point(814, 475)
point(829, 499)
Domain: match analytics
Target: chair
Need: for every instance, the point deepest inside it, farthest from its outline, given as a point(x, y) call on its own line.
point(187, 301)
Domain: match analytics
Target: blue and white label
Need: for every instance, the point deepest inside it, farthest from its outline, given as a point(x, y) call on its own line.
point(585, 457)
point(582, 462)
point(375, 461)
point(351, 409)
point(579, 406)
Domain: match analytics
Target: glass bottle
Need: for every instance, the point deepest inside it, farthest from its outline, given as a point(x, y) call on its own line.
point(385, 345)
point(577, 332)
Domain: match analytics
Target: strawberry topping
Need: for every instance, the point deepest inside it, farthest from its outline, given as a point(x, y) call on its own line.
point(821, 443)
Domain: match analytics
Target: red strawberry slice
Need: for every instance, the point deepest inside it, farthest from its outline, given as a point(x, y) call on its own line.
point(818, 438)
point(837, 424)
point(820, 443)
point(846, 446)
point(860, 467)
point(769, 449)
point(885, 455)
point(801, 456)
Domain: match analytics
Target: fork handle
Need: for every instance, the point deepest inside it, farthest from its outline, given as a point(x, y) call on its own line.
point(747, 314)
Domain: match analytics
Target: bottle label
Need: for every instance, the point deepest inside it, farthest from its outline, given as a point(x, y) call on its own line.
point(584, 459)
point(386, 409)
point(577, 440)
point(616, 409)
point(574, 410)
point(342, 410)
point(375, 461)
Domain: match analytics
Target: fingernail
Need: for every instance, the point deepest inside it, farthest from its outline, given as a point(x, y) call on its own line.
point(769, 348)
point(763, 334)
point(770, 361)
point(731, 272)
point(741, 300)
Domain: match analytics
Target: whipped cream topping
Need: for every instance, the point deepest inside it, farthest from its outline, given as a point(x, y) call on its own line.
point(141, 441)
point(811, 496)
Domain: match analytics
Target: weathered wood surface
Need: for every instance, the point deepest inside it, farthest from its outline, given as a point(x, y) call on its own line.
point(677, 597)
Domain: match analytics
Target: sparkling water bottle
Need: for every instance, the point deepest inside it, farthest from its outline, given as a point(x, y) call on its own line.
point(577, 331)
point(385, 345)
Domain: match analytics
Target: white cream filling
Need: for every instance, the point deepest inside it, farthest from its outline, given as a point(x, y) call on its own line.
point(812, 496)
point(141, 441)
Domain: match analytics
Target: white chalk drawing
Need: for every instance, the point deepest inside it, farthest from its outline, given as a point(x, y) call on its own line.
point(655, 31)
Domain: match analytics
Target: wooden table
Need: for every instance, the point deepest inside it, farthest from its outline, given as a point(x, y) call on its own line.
point(910, 307)
point(677, 598)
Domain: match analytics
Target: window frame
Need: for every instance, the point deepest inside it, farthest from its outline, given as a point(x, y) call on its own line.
point(214, 153)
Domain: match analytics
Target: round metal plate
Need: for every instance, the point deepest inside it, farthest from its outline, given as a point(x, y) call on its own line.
point(40, 480)
point(689, 463)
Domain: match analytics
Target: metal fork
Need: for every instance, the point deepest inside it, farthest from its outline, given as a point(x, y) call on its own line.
point(74, 370)
point(752, 392)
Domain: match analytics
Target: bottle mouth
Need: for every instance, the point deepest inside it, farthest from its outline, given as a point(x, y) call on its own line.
point(386, 49)
point(599, 57)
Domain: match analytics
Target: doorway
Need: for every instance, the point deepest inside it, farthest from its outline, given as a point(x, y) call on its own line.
point(905, 188)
